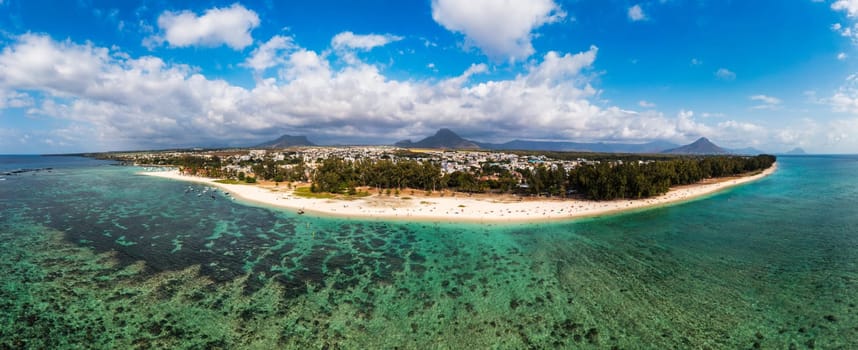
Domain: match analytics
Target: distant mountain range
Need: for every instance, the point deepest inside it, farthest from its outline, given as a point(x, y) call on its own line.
point(599, 147)
point(797, 150)
point(286, 141)
point(748, 151)
point(447, 139)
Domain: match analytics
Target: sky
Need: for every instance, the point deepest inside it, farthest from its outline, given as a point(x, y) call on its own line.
point(91, 75)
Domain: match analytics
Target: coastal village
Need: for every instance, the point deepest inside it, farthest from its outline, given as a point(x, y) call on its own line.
point(420, 205)
point(450, 161)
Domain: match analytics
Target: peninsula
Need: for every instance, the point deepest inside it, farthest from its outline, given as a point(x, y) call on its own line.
point(459, 207)
point(454, 185)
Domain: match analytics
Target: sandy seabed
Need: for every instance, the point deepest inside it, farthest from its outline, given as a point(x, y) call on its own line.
point(460, 208)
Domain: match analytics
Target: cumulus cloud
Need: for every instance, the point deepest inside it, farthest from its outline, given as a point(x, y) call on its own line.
point(349, 40)
point(229, 26)
point(501, 29)
point(850, 6)
point(646, 104)
point(110, 100)
point(122, 101)
point(725, 74)
point(14, 99)
point(845, 99)
point(636, 13)
point(841, 56)
point(270, 53)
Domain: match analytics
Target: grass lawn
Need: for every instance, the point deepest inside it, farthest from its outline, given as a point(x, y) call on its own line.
point(230, 182)
point(306, 193)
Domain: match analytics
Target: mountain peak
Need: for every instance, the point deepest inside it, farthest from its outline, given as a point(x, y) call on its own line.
point(701, 146)
point(797, 150)
point(444, 132)
point(443, 138)
point(286, 141)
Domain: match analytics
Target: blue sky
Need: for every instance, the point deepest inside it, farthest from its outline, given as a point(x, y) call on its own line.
point(93, 75)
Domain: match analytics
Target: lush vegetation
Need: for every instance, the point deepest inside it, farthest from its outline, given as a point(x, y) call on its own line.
point(290, 169)
point(339, 176)
point(604, 177)
point(604, 180)
point(640, 180)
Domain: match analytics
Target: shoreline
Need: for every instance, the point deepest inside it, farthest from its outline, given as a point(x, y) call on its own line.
point(460, 208)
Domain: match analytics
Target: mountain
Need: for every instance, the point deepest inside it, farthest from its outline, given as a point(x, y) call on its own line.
point(444, 138)
point(701, 146)
point(747, 151)
point(286, 141)
point(797, 150)
point(599, 147)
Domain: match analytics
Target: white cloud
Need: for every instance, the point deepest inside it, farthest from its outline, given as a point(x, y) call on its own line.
point(802, 133)
point(850, 6)
point(696, 62)
point(269, 54)
point(14, 99)
point(837, 134)
point(636, 13)
point(38, 62)
point(844, 100)
point(849, 32)
point(501, 29)
point(349, 40)
point(713, 115)
point(725, 74)
point(766, 99)
point(428, 43)
point(646, 104)
point(841, 56)
point(452, 84)
point(218, 26)
point(109, 100)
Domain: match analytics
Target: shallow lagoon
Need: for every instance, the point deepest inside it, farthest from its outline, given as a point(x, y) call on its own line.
point(94, 255)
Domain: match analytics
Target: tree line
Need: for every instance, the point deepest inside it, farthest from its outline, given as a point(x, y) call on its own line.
point(291, 169)
point(632, 180)
point(598, 181)
point(609, 179)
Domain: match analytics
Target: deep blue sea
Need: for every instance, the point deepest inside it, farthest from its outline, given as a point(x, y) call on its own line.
point(94, 256)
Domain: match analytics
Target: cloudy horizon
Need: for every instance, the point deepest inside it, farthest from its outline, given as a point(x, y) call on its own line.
point(239, 73)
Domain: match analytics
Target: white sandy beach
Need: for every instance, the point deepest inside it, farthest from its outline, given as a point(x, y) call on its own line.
point(460, 208)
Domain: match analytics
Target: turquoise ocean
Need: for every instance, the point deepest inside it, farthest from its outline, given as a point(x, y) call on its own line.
point(93, 255)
